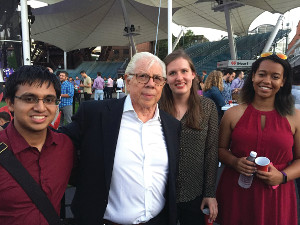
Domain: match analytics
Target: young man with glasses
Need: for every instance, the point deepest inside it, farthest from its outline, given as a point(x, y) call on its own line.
point(32, 95)
point(128, 151)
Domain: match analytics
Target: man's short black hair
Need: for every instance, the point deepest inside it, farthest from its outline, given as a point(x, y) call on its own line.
point(83, 71)
point(5, 116)
point(65, 72)
point(99, 74)
point(229, 70)
point(30, 75)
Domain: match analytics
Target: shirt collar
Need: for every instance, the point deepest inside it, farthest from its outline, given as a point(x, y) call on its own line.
point(19, 143)
point(129, 107)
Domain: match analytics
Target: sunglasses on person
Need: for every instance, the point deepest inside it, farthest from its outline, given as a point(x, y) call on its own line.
point(279, 55)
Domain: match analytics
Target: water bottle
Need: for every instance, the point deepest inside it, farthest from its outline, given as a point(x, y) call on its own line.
point(246, 181)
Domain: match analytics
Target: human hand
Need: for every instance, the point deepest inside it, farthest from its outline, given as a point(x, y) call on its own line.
point(212, 205)
point(272, 177)
point(235, 91)
point(244, 166)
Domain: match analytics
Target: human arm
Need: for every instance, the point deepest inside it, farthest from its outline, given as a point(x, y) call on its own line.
point(234, 84)
point(75, 129)
point(211, 163)
point(228, 122)
point(88, 83)
point(69, 91)
point(274, 176)
point(218, 97)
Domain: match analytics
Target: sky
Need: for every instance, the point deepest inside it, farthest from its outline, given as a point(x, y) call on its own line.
point(292, 17)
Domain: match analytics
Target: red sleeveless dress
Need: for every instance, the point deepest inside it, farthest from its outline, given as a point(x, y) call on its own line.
point(260, 204)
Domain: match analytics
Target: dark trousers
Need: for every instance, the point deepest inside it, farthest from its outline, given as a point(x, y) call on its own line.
point(87, 96)
point(109, 92)
point(189, 213)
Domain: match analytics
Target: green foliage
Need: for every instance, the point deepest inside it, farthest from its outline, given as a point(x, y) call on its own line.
point(185, 41)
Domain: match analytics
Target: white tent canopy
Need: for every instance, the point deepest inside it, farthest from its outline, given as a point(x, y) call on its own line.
point(202, 15)
point(75, 24)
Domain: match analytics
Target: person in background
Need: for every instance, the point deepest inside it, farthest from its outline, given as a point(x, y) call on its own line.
point(200, 85)
point(77, 81)
point(115, 85)
point(228, 77)
point(76, 91)
point(32, 94)
point(296, 89)
point(213, 88)
point(71, 80)
point(5, 119)
point(237, 85)
point(296, 94)
point(110, 84)
point(120, 83)
point(129, 179)
point(87, 85)
point(98, 86)
point(198, 159)
point(266, 122)
point(67, 94)
point(204, 75)
point(105, 88)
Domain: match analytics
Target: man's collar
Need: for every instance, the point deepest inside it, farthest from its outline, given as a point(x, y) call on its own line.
point(129, 107)
point(19, 143)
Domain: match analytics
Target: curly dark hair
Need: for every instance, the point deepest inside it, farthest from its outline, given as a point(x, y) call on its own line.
point(30, 75)
point(284, 101)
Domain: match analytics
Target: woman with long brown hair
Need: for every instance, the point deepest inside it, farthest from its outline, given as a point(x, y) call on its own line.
point(198, 143)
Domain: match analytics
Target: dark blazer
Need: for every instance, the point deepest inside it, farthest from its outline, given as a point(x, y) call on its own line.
point(95, 130)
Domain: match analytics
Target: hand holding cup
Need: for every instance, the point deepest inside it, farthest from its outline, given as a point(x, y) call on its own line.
point(262, 163)
point(206, 217)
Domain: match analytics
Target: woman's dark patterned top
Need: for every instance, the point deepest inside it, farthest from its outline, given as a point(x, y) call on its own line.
point(198, 155)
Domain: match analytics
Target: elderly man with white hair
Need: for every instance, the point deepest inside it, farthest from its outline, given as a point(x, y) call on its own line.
point(128, 149)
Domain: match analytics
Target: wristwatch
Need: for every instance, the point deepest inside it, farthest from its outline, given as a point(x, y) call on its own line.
point(284, 177)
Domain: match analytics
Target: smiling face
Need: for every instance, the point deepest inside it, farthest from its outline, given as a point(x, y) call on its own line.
point(180, 77)
point(268, 79)
point(62, 77)
point(145, 96)
point(32, 118)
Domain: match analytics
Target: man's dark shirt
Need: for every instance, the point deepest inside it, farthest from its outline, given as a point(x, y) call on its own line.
point(50, 168)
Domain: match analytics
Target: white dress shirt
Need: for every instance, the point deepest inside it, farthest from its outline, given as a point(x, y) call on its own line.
point(140, 170)
point(120, 83)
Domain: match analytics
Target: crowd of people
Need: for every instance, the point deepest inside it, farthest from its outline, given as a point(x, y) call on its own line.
point(152, 157)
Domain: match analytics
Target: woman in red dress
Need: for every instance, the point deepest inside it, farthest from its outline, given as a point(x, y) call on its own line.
point(268, 123)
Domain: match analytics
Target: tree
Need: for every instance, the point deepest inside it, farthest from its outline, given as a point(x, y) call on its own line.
point(187, 40)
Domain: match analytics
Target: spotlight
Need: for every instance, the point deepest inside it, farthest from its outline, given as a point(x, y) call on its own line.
point(132, 29)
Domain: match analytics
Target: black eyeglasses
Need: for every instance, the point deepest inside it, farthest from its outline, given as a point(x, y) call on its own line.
point(144, 78)
point(32, 99)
